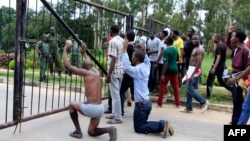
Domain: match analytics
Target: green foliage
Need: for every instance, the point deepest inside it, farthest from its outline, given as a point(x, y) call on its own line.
point(12, 65)
point(28, 65)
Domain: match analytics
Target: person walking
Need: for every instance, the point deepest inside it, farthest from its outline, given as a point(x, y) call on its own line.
point(169, 72)
point(92, 107)
point(240, 60)
point(191, 77)
point(218, 66)
point(245, 113)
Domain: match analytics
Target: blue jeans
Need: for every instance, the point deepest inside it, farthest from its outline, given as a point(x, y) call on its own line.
point(141, 125)
point(245, 113)
point(237, 104)
point(191, 93)
point(152, 82)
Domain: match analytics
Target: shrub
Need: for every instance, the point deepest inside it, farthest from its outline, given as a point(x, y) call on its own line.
point(12, 65)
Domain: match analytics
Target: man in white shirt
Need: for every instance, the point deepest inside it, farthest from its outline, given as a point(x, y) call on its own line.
point(152, 45)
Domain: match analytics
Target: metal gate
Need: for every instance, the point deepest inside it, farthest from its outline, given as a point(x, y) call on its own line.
point(23, 96)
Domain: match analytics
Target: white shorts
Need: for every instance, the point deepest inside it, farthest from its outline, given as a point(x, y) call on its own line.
point(92, 110)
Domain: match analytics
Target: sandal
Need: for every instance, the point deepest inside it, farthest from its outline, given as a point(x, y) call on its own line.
point(76, 135)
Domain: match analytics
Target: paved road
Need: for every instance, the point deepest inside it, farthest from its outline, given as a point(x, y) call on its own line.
point(188, 127)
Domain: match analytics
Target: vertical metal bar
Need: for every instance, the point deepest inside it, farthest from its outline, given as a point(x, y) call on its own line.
point(1, 16)
point(19, 58)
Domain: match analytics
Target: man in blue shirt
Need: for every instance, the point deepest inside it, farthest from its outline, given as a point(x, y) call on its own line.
point(139, 70)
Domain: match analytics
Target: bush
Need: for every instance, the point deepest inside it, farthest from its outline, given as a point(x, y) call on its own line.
point(28, 64)
point(12, 65)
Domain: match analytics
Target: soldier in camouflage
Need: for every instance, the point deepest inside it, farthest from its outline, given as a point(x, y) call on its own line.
point(42, 48)
point(54, 51)
point(75, 54)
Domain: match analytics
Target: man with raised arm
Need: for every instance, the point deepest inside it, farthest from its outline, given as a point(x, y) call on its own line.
point(139, 70)
point(92, 107)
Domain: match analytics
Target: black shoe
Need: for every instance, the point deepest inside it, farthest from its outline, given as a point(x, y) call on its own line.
point(108, 111)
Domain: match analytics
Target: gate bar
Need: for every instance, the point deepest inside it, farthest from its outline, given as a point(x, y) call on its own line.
point(72, 33)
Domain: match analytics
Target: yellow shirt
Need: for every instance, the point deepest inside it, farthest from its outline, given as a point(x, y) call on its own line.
point(179, 44)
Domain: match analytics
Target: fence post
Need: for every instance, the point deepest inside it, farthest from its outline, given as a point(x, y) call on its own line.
point(129, 22)
point(151, 24)
point(19, 59)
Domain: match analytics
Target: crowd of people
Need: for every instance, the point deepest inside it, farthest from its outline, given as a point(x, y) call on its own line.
point(149, 66)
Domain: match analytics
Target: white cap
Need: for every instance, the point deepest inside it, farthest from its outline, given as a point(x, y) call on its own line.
point(167, 29)
point(143, 39)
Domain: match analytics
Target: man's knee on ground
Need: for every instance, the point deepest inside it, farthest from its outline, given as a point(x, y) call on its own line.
point(137, 130)
point(91, 133)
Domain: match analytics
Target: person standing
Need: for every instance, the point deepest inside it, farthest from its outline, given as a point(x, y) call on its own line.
point(109, 108)
point(192, 77)
point(169, 72)
point(240, 61)
point(161, 48)
point(74, 54)
point(218, 66)
point(179, 44)
point(127, 81)
point(93, 107)
point(152, 45)
point(42, 48)
point(139, 70)
point(188, 46)
point(54, 54)
point(115, 74)
point(245, 113)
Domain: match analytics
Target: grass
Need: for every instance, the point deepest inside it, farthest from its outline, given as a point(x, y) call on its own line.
point(219, 94)
point(34, 77)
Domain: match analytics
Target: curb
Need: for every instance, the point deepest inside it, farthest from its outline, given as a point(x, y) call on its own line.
point(215, 107)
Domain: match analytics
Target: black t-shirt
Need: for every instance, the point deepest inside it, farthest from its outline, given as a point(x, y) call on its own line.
point(221, 49)
point(130, 50)
point(188, 48)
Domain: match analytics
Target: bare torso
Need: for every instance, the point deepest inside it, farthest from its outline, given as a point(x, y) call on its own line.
point(93, 86)
point(196, 57)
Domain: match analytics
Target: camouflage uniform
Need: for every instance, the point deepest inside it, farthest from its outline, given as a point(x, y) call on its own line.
point(75, 55)
point(43, 61)
point(54, 52)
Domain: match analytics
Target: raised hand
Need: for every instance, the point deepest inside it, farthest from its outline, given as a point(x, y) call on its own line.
point(231, 29)
point(68, 44)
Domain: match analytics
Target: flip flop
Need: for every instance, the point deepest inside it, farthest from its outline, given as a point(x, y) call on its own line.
point(76, 135)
